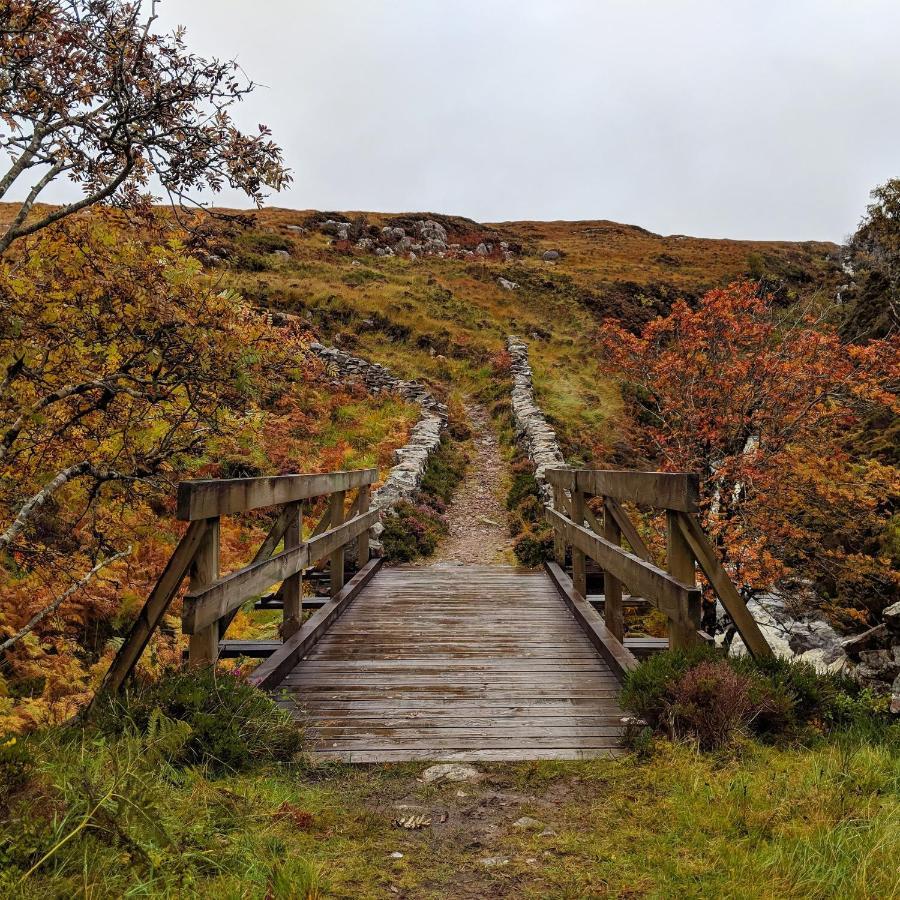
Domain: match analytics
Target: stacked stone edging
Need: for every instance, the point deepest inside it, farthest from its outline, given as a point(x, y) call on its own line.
point(405, 477)
point(532, 430)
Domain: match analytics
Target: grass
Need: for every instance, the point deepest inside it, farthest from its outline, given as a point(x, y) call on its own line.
point(755, 822)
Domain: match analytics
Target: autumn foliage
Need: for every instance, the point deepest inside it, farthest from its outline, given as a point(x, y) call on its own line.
point(765, 405)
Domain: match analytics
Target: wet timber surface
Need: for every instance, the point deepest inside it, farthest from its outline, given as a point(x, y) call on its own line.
point(458, 663)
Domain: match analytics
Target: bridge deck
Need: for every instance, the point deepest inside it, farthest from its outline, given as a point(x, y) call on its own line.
point(457, 663)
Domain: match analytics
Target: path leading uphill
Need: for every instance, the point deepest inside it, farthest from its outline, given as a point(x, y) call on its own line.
point(479, 530)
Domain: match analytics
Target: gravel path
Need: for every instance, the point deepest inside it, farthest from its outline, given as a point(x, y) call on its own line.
point(479, 530)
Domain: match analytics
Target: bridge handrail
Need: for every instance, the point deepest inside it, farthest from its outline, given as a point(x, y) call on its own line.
point(672, 590)
point(213, 599)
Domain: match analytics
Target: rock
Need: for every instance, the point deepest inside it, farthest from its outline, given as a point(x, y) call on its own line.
point(365, 243)
point(481, 249)
point(296, 229)
point(506, 284)
point(450, 772)
point(527, 822)
point(490, 862)
point(281, 254)
point(882, 662)
point(384, 251)
point(396, 855)
point(866, 640)
point(432, 231)
point(550, 255)
point(547, 832)
point(330, 226)
point(895, 696)
point(392, 235)
point(891, 617)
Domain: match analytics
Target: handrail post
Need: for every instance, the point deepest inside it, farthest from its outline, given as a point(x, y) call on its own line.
point(336, 509)
point(292, 588)
point(613, 613)
point(579, 572)
point(680, 564)
point(559, 539)
point(203, 645)
point(362, 546)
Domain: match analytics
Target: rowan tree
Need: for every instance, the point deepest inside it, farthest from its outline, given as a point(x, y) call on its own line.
point(761, 403)
point(89, 91)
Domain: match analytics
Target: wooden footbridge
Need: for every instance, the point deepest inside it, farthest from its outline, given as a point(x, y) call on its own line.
point(441, 662)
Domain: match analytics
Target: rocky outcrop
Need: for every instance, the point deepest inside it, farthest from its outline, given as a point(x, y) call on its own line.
point(533, 432)
point(415, 238)
point(876, 653)
point(791, 634)
point(406, 476)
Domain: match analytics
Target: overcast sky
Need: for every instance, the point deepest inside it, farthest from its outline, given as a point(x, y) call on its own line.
point(722, 118)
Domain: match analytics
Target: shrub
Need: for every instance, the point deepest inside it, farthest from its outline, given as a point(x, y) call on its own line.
point(689, 692)
point(232, 724)
point(646, 689)
point(534, 547)
point(412, 532)
point(711, 702)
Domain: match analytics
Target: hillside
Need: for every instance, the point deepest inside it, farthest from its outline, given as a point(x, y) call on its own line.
point(444, 314)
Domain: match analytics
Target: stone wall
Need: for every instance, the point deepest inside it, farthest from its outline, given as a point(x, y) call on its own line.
point(533, 432)
point(406, 476)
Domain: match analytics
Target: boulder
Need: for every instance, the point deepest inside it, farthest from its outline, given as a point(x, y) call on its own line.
point(506, 284)
point(550, 255)
point(891, 617)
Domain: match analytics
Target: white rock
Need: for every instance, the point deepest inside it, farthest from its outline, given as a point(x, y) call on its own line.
point(396, 855)
point(450, 772)
point(506, 284)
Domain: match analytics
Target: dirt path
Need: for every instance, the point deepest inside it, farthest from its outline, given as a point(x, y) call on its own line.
point(479, 531)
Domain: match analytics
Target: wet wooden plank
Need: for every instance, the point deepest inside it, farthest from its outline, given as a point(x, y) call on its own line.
point(453, 662)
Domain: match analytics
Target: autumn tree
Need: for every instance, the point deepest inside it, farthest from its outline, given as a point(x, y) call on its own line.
point(760, 402)
point(872, 258)
point(90, 92)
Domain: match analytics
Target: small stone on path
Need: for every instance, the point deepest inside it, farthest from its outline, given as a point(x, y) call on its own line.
point(450, 772)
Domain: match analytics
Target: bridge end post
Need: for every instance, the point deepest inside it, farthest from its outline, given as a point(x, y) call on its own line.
point(203, 645)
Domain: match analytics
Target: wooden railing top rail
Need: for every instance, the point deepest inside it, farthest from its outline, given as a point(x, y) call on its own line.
point(678, 491)
point(209, 498)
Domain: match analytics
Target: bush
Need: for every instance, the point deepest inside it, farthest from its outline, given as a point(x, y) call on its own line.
point(233, 725)
point(712, 703)
point(700, 693)
point(534, 547)
point(413, 531)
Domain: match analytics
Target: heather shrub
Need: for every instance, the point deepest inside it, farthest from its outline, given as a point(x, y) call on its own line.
point(711, 703)
point(699, 693)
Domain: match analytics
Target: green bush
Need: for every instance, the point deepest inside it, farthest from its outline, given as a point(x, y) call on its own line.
point(413, 531)
point(445, 470)
point(252, 262)
point(687, 692)
point(534, 547)
point(233, 725)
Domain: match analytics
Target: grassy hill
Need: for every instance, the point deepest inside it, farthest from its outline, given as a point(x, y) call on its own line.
point(443, 319)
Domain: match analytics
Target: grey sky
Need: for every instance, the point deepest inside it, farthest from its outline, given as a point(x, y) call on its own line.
point(764, 119)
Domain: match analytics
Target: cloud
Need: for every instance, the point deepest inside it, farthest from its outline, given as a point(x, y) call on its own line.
point(766, 119)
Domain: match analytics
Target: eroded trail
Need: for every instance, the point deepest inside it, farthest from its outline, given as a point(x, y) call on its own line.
point(479, 531)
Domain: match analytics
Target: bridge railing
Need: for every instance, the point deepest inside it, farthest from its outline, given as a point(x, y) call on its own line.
point(213, 599)
point(673, 590)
